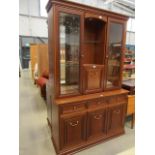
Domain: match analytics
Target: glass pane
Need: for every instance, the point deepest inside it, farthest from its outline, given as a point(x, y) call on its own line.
point(114, 53)
point(69, 53)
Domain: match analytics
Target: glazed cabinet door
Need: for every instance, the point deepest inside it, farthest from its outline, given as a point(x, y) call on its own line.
point(96, 125)
point(114, 53)
point(69, 49)
point(116, 117)
point(73, 130)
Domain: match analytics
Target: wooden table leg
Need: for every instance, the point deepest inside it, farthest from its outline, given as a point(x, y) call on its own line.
point(133, 121)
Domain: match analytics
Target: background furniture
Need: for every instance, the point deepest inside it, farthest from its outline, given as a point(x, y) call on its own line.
point(129, 62)
point(43, 60)
point(39, 55)
point(131, 109)
point(86, 48)
point(33, 57)
point(130, 86)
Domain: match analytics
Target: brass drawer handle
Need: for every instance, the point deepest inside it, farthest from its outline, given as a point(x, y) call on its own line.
point(117, 111)
point(75, 108)
point(97, 116)
point(74, 124)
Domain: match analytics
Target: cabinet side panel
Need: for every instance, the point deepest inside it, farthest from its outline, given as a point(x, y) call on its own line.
point(51, 53)
point(55, 126)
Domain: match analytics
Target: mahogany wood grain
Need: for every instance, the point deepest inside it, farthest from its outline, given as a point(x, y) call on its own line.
point(116, 117)
point(81, 120)
point(96, 124)
point(90, 96)
point(73, 130)
point(92, 78)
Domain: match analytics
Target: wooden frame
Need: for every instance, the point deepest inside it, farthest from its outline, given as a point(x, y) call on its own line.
point(93, 104)
point(123, 23)
point(66, 10)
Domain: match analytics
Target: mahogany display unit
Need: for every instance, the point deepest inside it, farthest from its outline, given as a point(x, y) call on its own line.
point(86, 104)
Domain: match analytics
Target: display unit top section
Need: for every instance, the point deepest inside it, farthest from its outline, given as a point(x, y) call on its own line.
point(83, 7)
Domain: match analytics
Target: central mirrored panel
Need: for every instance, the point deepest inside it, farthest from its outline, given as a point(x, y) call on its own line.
point(69, 27)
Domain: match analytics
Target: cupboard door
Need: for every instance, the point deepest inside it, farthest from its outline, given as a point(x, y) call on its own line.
point(96, 124)
point(116, 117)
point(92, 78)
point(69, 48)
point(115, 45)
point(73, 130)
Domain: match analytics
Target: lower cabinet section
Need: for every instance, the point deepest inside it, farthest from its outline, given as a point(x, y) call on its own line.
point(92, 125)
point(96, 124)
point(87, 122)
point(73, 129)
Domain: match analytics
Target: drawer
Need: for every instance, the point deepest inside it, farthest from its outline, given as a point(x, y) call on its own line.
point(122, 99)
point(112, 100)
point(73, 107)
point(97, 103)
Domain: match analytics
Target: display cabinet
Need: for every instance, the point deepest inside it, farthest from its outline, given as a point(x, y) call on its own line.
point(86, 48)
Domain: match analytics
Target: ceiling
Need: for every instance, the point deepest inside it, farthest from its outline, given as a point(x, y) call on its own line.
point(126, 7)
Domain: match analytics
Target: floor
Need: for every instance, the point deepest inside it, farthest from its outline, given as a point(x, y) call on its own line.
point(35, 135)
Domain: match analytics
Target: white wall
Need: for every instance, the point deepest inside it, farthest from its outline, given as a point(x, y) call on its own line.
point(29, 7)
point(33, 26)
point(30, 22)
point(130, 38)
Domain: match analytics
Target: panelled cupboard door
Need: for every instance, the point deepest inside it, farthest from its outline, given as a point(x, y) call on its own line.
point(96, 124)
point(73, 130)
point(92, 78)
point(116, 116)
point(114, 53)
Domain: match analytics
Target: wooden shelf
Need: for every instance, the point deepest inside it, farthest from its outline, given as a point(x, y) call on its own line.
point(93, 42)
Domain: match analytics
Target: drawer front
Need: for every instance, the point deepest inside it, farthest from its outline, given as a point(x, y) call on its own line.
point(122, 99)
point(97, 103)
point(112, 100)
point(119, 99)
point(73, 107)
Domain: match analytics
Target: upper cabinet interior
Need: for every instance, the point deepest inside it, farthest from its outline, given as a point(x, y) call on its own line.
point(94, 39)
